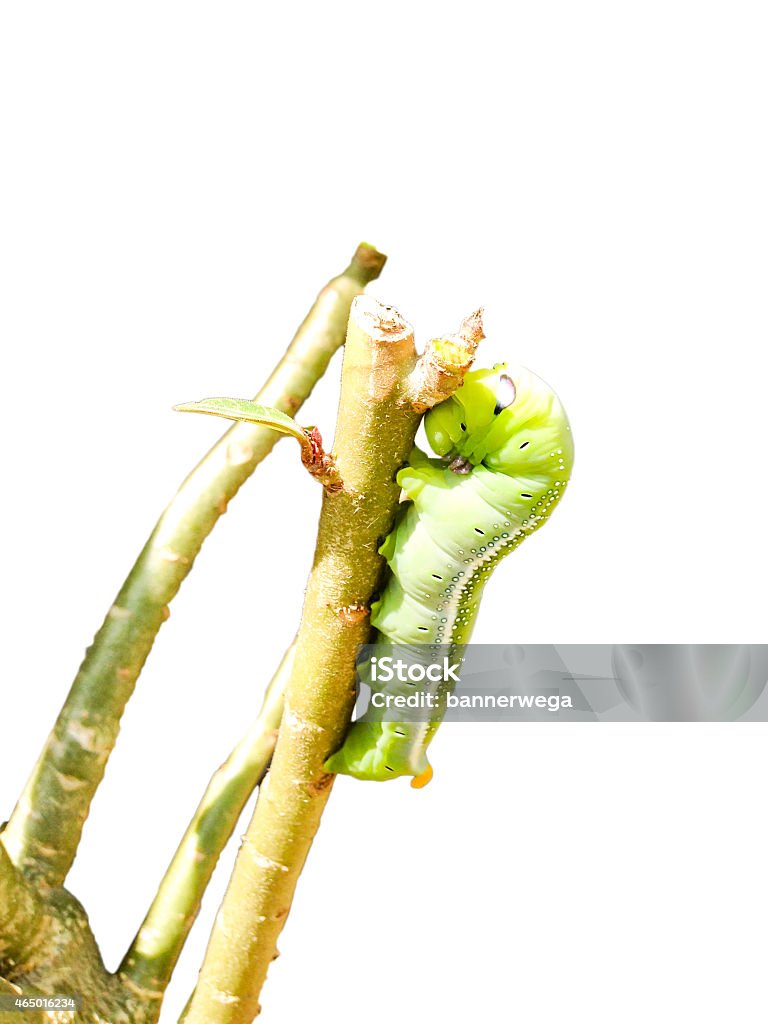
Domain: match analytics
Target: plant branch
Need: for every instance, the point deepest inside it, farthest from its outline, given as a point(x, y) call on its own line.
point(375, 431)
point(21, 914)
point(44, 831)
point(150, 961)
point(443, 364)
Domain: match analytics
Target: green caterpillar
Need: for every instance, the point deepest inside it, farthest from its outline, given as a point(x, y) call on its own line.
point(505, 455)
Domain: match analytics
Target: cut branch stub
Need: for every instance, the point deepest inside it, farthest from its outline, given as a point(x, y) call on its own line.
point(444, 363)
point(319, 463)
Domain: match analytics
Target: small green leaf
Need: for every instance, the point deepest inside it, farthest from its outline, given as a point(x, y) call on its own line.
point(248, 412)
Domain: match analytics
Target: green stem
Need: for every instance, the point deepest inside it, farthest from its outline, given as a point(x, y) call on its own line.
point(150, 961)
point(375, 432)
point(44, 831)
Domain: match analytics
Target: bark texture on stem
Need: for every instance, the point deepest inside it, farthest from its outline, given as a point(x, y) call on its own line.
point(44, 831)
point(375, 431)
point(21, 914)
point(60, 957)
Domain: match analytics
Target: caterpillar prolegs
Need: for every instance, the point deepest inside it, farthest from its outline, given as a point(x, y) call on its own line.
point(505, 453)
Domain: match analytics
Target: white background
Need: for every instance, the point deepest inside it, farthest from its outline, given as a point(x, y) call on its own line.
point(177, 181)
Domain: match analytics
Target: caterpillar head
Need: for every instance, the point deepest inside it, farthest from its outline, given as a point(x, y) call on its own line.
point(454, 427)
point(490, 417)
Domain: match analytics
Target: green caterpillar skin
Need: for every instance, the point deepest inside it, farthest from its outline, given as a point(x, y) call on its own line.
point(505, 456)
